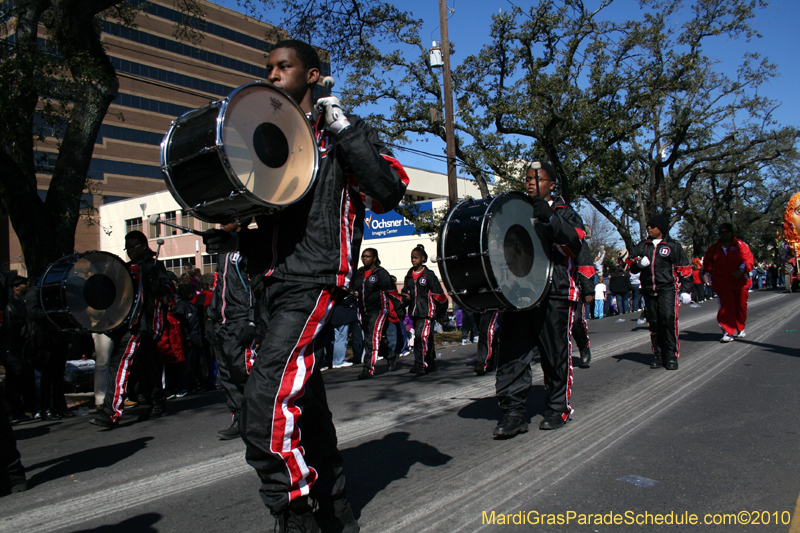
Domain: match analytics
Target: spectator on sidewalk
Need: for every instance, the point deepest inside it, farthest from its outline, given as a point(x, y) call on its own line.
point(599, 299)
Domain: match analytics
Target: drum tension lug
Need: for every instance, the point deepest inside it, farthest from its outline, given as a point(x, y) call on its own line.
point(448, 258)
point(484, 290)
point(455, 293)
point(478, 254)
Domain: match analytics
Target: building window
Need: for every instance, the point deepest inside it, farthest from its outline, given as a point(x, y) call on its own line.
point(209, 264)
point(187, 220)
point(133, 224)
point(155, 231)
point(176, 265)
point(171, 217)
point(206, 225)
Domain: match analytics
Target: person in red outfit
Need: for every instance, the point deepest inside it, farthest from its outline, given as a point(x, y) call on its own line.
point(726, 267)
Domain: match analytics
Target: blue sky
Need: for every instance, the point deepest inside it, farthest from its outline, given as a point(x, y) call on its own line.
point(469, 30)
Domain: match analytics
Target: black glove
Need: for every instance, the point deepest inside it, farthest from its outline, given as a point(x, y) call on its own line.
point(247, 334)
point(542, 209)
point(215, 239)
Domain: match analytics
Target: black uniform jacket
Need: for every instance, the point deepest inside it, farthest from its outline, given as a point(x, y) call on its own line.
point(317, 239)
point(427, 296)
point(565, 233)
point(233, 298)
point(586, 271)
point(154, 291)
point(373, 290)
point(669, 268)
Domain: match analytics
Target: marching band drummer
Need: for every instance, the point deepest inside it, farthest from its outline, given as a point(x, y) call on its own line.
point(312, 248)
point(546, 326)
point(135, 342)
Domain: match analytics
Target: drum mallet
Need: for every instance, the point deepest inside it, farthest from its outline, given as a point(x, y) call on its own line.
point(536, 166)
point(155, 220)
point(159, 242)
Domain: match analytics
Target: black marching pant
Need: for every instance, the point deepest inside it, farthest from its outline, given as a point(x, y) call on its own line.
point(424, 352)
point(11, 469)
point(662, 314)
point(373, 324)
point(580, 329)
point(488, 324)
point(234, 361)
point(138, 351)
point(548, 328)
point(20, 384)
point(286, 424)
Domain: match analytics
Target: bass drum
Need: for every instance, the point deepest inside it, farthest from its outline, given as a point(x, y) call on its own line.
point(252, 152)
point(491, 255)
point(88, 292)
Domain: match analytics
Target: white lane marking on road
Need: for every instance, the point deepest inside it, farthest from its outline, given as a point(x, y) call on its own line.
point(77, 510)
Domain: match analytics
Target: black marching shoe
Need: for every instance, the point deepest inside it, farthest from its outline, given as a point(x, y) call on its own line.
point(364, 374)
point(154, 412)
point(297, 518)
point(656, 362)
point(671, 363)
point(48, 414)
point(586, 357)
point(553, 420)
point(417, 369)
point(512, 424)
point(104, 422)
point(391, 361)
point(65, 413)
point(230, 432)
point(480, 369)
point(431, 368)
point(336, 516)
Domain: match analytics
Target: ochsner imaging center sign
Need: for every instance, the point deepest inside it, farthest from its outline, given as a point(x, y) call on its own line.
point(390, 224)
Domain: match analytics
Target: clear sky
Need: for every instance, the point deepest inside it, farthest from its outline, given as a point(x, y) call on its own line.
point(469, 30)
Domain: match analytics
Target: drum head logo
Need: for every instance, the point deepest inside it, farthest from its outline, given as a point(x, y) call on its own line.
point(664, 251)
point(373, 279)
point(276, 104)
point(423, 281)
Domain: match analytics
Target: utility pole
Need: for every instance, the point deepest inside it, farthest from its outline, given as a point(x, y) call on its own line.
point(450, 138)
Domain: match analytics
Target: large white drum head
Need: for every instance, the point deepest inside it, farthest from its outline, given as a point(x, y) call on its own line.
point(99, 291)
point(269, 143)
point(519, 263)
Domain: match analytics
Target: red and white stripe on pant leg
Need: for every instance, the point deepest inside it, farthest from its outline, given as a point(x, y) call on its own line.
point(285, 436)
point(377, 333)
point(250, 356)
point(570, 318)
point(121, 379)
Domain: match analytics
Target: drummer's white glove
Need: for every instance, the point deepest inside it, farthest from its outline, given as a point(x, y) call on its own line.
point(331, 109)
point(686, 298)
point(644, 262)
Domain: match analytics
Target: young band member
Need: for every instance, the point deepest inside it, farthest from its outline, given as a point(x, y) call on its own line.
point(580, 329)
point(546, 326)
point(135, 344)
point(310, 248)
point(425, 298)
point(665, 270)
point(232, 313)
point(373, 283)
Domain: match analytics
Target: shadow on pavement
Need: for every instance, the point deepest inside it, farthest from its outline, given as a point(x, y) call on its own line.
point(636, 357)
point(142, 523)
point(32, 431)
point(488, 409)
point(395, 454)
point(85, 460)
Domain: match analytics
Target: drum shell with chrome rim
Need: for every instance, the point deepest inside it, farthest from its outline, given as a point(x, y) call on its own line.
point(90, 292)
point(250, 153)
point(491, 254)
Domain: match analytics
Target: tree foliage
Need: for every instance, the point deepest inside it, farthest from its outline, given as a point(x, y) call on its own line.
point(635, 116)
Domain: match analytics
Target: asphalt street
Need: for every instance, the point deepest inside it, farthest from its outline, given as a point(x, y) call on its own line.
point(717, 440)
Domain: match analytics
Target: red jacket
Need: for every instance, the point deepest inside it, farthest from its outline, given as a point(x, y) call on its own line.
point(722, 266)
